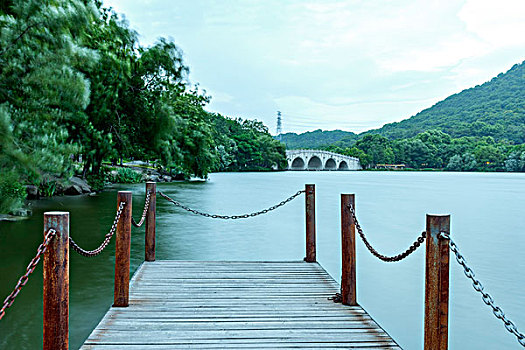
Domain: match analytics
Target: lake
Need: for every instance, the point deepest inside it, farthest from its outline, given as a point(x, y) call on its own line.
point(487, 223)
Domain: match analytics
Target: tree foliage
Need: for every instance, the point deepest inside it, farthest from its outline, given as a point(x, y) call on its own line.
point(75, 84)
point(41, 91)
point(246, 145)
point(318, 138)
point(437, 150)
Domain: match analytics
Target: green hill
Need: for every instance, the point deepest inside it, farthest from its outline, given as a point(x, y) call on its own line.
point(316, 139)
point(496, 108)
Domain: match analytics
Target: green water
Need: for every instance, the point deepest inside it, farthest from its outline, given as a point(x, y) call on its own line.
point(487, 223)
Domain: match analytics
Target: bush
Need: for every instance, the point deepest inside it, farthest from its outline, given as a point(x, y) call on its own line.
point(97, 182)
point(12, 193)
point(128, 176)
point(47, 187)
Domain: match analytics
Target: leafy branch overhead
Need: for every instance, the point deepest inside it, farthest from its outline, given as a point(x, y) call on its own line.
point(76, 85)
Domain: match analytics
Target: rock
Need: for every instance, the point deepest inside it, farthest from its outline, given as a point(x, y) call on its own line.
point(59, 188)
point(32, 192)
point(21, 212)
point(5, 217)
point(180, 177)
point(82, 184)
point(93, 194)
point(154, 178)
point(166, 178)
point(73, 190)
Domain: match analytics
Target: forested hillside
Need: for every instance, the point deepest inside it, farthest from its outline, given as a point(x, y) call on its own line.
point(496, 108)
point(316, 139)
point(77, 91)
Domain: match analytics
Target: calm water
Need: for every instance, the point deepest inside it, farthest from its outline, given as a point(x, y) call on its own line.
point(487, 224)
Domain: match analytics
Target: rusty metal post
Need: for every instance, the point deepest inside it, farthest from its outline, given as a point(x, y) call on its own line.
point(150, 222)
point(348, 276)
point(436, 283)
point(122, 251)
point(56, 282)
point(310, 223)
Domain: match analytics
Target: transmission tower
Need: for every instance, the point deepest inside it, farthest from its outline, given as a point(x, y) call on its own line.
point(279, 125)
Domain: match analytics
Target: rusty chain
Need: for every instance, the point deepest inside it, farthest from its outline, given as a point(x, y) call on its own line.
point(231, 217)
point(378, 255)
point(103, 245)
point(486, 297)
point(336, 298)
point(29, 270)
point(144, 212)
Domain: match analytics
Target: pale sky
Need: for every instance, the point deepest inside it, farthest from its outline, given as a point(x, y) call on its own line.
point(350, 65)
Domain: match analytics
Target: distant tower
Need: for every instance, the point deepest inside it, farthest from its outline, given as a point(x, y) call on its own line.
point(279, 125)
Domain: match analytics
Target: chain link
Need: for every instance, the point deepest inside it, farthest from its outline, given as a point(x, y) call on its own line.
point(486, 297)
point(29, 270)
point(336, 298)
point(95, 252)
point(231, 217)
point(144, 212)
point(378, 255)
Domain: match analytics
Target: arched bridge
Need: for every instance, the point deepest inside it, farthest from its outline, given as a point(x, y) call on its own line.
point(313, 159)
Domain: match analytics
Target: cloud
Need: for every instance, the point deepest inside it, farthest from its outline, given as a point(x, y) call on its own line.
point(352, 64)
point(496, 23)
point(301, 113)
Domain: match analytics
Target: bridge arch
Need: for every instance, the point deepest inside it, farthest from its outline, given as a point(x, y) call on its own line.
point(343, 165)
point(298, 164)
point(330, 164)
point(315, 163)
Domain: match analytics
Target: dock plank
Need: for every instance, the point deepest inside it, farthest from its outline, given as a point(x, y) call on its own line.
point(235, 305)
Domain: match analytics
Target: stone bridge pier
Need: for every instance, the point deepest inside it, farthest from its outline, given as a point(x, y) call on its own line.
point(311, 159)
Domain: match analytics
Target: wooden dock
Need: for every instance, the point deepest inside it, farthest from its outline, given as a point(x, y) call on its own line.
point(235, 305)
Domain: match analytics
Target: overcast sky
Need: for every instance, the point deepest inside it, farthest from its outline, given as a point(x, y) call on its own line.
point(350, 65)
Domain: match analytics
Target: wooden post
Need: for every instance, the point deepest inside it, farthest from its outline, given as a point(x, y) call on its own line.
point(348, 276)
point(310, 223)
point(150, 222)
point(56, 282)
point(122, 251)
point(436, 283)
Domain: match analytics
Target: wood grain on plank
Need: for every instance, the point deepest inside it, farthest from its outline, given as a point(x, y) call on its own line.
point(235, 305)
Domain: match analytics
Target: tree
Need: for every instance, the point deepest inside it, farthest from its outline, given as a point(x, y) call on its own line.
point(489, 157)
point(377, 147)
point(246, 145)
point(515, 161)
point(414, 153)
point(467, 162)
point(42, 92)
point(455, 163)
point(194, 138)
